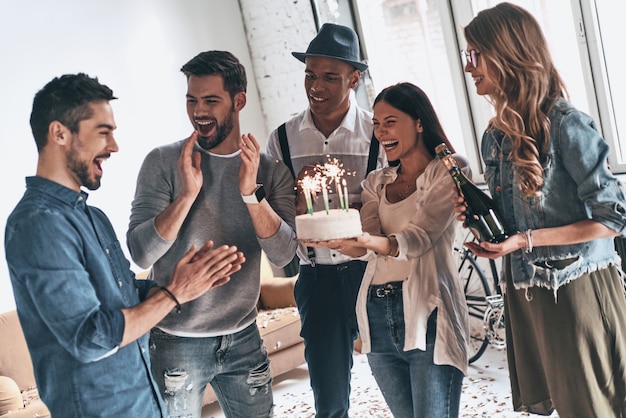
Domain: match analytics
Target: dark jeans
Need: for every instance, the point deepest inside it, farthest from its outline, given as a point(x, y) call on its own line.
point(326, 298)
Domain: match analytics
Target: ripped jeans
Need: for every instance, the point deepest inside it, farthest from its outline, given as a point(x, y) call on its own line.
point(235, 365)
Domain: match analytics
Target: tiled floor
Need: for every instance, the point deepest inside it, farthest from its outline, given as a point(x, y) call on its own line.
point(485, 392)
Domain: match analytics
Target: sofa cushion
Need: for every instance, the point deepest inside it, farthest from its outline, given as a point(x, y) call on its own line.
point(36, 409)
point(279, 328)
point(277, 292)
point(10, 396)
point(15, 359)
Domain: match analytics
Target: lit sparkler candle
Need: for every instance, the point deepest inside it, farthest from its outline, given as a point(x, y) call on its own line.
point(325, 194)
point(334, 169)
point(308, 184)
point(345, 193)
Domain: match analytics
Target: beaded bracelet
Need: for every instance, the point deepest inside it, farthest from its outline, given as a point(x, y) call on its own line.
point(171, 295)
point(393, 247)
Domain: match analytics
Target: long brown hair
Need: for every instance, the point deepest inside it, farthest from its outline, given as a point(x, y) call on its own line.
point(527, 85)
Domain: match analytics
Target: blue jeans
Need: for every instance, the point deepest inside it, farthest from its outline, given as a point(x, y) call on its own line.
point(235, 365)
point(326, 299)
point(412, 385)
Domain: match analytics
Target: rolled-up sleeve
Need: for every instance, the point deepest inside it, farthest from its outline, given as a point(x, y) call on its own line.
point(585, 157)
point(47, 258)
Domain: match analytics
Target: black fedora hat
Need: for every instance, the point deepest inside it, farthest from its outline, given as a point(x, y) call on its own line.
point(334, 41)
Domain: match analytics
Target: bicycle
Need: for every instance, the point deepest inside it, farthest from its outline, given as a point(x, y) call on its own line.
point(485, 303)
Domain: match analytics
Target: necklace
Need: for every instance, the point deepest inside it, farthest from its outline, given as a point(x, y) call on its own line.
point(406, 190)
point(403, 188)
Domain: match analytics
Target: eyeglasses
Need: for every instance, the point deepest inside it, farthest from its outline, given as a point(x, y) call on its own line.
point(470, 57)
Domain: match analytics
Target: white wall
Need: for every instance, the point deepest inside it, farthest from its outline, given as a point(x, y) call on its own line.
point(136, 47)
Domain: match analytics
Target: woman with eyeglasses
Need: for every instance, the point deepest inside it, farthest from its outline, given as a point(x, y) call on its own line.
point(546, 167)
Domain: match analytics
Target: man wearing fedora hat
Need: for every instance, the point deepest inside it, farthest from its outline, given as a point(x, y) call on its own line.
point(328, 282)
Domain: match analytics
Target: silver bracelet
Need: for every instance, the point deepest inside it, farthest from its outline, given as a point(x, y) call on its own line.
point(528, 238)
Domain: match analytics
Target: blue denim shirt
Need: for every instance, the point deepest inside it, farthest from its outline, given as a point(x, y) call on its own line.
point(578, 186)
point(70, 279)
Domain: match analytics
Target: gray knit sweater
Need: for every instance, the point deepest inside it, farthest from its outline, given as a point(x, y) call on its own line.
point(218, 214)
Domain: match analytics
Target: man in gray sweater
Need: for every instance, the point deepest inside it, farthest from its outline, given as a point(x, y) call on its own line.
point(215, 185)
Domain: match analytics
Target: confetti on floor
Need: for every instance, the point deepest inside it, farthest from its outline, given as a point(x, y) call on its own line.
point(486, 392)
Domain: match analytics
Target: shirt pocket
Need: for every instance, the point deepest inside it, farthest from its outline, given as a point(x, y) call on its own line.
point(120, 267)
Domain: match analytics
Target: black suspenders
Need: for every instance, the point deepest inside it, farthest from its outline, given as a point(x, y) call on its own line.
point(372, 159)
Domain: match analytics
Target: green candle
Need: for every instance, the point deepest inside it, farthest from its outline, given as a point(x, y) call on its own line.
point(325, 194)
point(345, 194)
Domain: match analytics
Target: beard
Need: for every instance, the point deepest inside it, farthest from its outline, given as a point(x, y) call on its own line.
point(222, 130)
point(80, 168)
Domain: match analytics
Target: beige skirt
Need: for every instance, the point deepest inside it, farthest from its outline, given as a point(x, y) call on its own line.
point(568, 354)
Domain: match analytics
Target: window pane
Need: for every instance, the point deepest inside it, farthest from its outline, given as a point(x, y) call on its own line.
point(612, 39)
point(404, 40)
point(558, 24)
point(340, 12)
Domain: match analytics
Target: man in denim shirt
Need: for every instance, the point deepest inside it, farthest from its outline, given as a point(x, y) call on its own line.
point(84, 315)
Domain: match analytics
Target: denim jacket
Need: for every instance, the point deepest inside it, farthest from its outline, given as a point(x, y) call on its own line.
point(71, 279)
point(577, 186)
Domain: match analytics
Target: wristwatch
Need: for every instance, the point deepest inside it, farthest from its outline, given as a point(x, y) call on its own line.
point(256, 196)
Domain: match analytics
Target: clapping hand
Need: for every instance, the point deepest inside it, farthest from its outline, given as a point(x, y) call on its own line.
point(250, 157)
point(189, 167)
point(201, 270)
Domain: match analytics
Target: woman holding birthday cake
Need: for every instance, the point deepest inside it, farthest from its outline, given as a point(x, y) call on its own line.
point(411, 309)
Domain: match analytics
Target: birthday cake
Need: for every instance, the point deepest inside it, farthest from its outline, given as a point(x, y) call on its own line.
point(322, 226)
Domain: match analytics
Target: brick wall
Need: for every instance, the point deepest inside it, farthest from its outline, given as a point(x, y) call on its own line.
point(274, 29)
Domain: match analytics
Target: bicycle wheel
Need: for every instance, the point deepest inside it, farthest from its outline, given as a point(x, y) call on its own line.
point(476, 288)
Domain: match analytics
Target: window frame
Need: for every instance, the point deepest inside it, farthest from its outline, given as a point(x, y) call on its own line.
point(591, 46)
point(476, 111)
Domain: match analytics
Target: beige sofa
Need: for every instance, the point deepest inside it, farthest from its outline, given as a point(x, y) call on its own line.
point(278, 321)
point(18, 393)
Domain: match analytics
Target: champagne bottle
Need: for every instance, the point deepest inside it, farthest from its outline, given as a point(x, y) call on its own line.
point(481, 215)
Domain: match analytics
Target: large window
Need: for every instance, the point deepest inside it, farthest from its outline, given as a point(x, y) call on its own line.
point(605, 49)
point(412, 40)
point(419, 41)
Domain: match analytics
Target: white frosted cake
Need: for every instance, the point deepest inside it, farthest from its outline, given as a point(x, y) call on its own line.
point(320, 226)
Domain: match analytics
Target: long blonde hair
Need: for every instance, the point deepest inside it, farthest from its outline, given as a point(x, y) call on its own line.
point(527, 85)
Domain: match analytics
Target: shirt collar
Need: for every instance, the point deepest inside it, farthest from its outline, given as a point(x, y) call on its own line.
point(348, 122)
point(57, 191)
